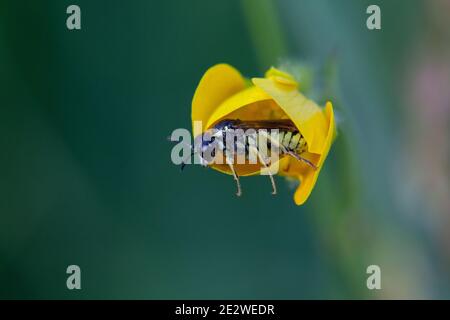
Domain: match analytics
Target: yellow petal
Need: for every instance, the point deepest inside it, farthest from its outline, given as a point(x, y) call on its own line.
point(306, 114)
point(281, 77)
point(217, 84)
point(307, 175)
point(246, 98)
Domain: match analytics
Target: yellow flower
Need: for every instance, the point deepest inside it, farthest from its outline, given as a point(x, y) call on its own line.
point(224, 94)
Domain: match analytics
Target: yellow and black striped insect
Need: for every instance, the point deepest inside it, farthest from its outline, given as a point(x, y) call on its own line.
point(243, 139)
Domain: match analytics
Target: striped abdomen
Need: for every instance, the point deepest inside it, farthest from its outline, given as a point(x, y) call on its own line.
point(289, 141)
point(293, 141)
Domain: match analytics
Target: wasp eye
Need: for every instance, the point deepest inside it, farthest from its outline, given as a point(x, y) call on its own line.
point(206, 143)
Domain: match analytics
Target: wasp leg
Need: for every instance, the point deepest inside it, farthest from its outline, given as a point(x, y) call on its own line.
point(274, 142)
point(299, 158)
point(230, 164)
point(261, 159)
point(296, 156)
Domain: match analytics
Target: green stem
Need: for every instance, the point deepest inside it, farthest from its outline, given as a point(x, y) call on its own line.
point(265, 31)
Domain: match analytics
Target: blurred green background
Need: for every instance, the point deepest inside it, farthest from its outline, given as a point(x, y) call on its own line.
point(86, 176)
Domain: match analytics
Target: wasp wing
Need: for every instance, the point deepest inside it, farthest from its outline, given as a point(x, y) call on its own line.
point(281, 124)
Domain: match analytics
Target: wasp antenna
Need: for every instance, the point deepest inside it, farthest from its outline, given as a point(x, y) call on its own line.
point(184, 162)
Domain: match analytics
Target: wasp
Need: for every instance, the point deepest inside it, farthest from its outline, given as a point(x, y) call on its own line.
point(235, 138)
